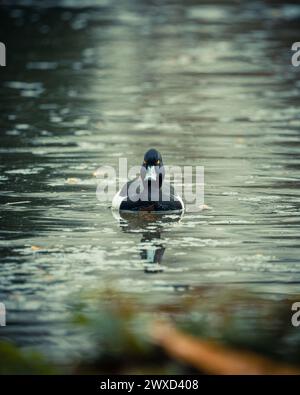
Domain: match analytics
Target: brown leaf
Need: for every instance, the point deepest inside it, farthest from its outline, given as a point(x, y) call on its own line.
point(36, 248)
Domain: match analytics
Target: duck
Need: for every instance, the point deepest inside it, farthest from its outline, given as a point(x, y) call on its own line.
point(149, 192)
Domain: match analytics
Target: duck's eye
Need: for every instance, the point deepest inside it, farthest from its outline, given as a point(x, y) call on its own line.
point(158, 162)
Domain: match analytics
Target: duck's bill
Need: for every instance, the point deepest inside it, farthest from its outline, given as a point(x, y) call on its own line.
point(150, 174)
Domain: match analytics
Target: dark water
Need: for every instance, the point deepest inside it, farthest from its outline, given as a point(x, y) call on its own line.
point(206, 85)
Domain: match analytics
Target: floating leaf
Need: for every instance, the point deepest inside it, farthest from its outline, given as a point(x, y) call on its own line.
point(36, 248)
point(72, 181)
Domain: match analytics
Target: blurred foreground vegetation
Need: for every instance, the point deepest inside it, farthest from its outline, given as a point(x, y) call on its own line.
point(211, 330)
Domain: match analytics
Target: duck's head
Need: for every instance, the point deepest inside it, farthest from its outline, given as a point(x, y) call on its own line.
point(152, 170)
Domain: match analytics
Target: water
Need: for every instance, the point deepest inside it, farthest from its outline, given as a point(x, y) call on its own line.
point(204, 84)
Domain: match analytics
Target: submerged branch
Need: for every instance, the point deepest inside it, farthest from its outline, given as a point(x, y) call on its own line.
point(213, 358)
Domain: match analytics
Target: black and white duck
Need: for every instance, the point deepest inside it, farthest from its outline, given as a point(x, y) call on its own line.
point(149, 191)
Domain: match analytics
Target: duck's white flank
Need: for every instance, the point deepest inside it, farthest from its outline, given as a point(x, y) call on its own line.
point(181, 201)
point(117, 200)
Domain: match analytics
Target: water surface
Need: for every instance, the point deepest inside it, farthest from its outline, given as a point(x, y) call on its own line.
point(206, 85)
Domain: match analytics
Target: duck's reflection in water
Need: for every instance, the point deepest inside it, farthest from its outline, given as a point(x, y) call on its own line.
point(150, 226)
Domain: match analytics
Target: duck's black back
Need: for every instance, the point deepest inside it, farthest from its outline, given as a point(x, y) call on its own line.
point(165, 198)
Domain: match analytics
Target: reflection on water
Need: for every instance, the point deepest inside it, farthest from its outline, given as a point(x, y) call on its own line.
point(85, 86)
point(150, 226)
